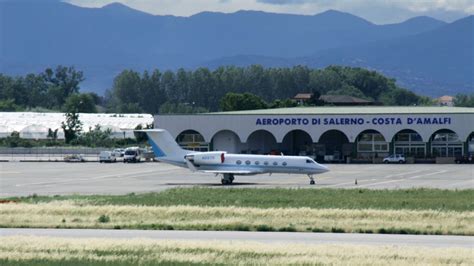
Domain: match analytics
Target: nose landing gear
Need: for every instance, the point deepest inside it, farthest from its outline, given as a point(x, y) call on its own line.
point(227, 179)
point(311, 180)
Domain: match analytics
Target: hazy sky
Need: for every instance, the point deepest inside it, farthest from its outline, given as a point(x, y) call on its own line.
point(377, 11)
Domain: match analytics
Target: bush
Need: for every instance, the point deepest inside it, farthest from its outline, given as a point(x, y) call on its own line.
point(287, 229)
point(264, 228)
point(104, 219)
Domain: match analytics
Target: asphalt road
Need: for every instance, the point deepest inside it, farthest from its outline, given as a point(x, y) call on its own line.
point(51, 178)
point(432, 241)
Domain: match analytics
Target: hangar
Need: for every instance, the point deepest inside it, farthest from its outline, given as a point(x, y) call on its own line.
point(422, 134)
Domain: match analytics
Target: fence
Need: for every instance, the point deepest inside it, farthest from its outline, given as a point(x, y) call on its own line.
point(48, 153)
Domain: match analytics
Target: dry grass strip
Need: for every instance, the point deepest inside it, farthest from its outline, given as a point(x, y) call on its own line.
point(68, 214)
point(48, 250)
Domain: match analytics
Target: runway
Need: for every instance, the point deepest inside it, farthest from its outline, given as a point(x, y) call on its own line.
point(431, 241)
point(59, 178)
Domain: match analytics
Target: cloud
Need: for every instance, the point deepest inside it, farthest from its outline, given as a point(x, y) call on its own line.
point(377, 11)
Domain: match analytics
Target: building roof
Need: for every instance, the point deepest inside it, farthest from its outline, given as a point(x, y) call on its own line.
point(327, 110)
point(342, 99)
point(18, 121)
point(445, 98)
point(303, 96)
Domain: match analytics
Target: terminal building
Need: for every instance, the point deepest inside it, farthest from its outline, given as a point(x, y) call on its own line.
point(344, 134)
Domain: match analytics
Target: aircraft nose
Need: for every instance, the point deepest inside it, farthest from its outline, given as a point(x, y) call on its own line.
point(324, 168)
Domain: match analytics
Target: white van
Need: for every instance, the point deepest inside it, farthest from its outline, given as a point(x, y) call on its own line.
point(107, 156)
point(132, 154)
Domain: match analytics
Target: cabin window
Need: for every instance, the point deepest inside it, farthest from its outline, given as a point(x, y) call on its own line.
point(284, 163)
point(247, 162)
point(275, 163)
point(257, 162)
point(265, 163)
point(238, 162)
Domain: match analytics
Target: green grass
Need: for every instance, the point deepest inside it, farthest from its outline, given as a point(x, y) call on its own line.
point(409, 199)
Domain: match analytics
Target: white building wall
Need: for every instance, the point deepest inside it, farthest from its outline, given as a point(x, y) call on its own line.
point(244, 125)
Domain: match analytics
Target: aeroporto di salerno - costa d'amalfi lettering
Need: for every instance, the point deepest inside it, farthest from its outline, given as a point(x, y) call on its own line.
point(355, 121)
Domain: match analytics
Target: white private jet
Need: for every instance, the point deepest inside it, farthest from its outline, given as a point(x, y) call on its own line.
point(220, 162)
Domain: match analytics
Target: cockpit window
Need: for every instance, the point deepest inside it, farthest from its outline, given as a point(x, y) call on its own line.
point(309, 161)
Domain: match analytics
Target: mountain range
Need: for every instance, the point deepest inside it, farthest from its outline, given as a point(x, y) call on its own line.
point(426, 55)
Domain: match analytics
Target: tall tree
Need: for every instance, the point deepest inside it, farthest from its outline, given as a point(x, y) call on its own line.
point(237, 101)
point(71, 127)
point(80, 103)
point(62, 83)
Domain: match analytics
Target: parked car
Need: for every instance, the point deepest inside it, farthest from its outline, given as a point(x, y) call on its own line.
point(119, 152)
point(133, 154)
point(74, 158)
point(107, 156)
point(464, 159)
point(395, 158)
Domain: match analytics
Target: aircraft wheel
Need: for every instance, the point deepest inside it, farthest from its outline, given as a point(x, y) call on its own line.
point(312, 182)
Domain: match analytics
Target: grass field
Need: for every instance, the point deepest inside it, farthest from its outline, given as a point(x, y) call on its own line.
point(77, 214)
point(88, 251)
point(409, 199)
point(414, 211)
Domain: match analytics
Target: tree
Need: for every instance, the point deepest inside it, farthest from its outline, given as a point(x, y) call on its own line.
point(61, 83)
point(96, 137)
point(126, 91)
point(237, 101)
point(52, 135)
point(181, 108)
point(80, 103)
point(9, 105)
point(283, 103)
point(72, 127)
point(348, 90)
point(464, 100)
point(141, 136)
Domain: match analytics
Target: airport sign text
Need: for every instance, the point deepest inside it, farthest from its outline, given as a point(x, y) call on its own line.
point(354, 121)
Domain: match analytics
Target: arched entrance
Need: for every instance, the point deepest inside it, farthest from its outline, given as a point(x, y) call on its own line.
point(470, 143)
point(409, 143)
point(333, 145)
point(226, 140)
point(446, 143)
point(297, 142)
point(261, 142)
point(372, 144)
point(192, 140)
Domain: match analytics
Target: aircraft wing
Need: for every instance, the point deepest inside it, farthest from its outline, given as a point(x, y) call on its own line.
point(235, 172)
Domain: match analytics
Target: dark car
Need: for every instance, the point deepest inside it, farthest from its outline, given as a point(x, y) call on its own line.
point(464, 159)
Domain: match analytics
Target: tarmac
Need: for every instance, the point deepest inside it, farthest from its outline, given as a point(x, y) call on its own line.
point(60, 178)
point(429, 241)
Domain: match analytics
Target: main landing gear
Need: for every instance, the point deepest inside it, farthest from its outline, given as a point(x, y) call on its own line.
point(311, 180)
point(227, 179)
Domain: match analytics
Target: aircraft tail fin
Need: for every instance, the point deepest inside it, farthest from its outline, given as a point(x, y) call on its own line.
point(164, 146)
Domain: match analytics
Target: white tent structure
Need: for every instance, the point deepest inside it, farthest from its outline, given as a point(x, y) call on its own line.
point(4, 131)
point(34, 132)
point(32, 125)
